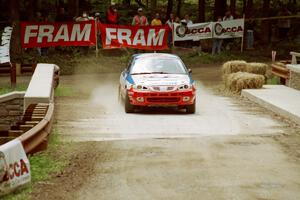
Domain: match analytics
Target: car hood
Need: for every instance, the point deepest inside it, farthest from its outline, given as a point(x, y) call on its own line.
point(161, 79)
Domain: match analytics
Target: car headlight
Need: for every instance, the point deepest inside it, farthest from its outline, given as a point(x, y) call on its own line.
point(185, 87)
point(140, 87)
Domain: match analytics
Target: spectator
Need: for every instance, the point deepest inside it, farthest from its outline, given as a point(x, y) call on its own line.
point(140, 19)
point(156, 21)
point(112, 14)
point(187, 20)
point(250, 34)
point(170, 23)
point(84, 17)
point(62, 15)
point(228, 16)
point(227, 43)
point(177, 20)
point(217, 42)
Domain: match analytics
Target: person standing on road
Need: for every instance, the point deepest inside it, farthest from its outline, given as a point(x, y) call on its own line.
point(112, 14)
point(156, 21)
point(140, 19)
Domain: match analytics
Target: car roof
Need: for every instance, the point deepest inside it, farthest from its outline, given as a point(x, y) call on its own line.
point(156, 55)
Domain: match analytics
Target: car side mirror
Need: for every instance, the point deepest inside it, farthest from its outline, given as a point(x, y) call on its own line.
point(190, 71)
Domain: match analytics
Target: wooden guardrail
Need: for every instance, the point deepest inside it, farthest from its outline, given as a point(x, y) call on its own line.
point(35, 139)
point(282, 72)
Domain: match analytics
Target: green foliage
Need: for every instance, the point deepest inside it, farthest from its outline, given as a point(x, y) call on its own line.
point(273, 81)
point(6, 88)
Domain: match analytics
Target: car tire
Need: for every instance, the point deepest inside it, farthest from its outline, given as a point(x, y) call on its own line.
point(191, 109)
point(129, 108)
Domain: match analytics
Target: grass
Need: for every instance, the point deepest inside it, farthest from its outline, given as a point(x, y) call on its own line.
point(6, 89)
point(273, 81)
point(64, 91)
point(43, 165)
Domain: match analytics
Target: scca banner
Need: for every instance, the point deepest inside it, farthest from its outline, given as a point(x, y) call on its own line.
point(14, 167)
point(228, 29)
point(137, 37)
point(57, 34)
point(192, 32)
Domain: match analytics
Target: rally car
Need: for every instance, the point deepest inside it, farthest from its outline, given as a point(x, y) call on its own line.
point(157, 80)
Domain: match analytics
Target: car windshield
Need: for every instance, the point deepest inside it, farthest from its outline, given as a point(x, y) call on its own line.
point(157, 65)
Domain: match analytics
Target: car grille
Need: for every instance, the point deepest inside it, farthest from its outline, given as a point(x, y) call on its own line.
point(163, 88)
point(164, 99)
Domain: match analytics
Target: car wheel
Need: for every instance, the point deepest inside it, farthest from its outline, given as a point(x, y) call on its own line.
point(128, 107)
point(191, 109)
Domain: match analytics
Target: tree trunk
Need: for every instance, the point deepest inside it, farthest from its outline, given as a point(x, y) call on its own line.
point(153, 5)
point(220, 8)
point(232, 7)
point(73, 8)
point(249, 9)
point(244, 6)
point(15, 50)
point(265, 25)
point(178, 12)
point(201, 10)
point(169, 9)
point(30, 10)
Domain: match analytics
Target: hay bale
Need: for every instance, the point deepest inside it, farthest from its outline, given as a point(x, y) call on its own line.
point(234, 66)
point(235, 82)
point(257, 68)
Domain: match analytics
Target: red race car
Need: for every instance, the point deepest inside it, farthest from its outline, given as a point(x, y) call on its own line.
point(157, 79)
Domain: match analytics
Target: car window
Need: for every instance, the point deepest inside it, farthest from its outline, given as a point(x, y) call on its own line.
point(158, 65)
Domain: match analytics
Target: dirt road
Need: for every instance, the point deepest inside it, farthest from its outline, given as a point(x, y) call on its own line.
point(230, 149)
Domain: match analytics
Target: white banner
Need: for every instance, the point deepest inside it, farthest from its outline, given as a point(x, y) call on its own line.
point(5, 42)
point(195, 32)
point(192, 32)
point(14, 167)
point(228, 29)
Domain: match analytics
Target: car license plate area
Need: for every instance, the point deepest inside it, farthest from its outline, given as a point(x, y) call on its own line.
point(163, 99)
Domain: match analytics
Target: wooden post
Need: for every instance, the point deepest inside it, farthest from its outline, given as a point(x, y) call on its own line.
point(242, 42)
point(13, 75)
point(96, 31)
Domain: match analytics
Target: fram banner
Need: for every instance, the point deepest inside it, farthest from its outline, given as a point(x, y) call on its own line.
point(228, 29)
point(57, 34)
point(138, 37)
point(192, 32)
point(14, 167)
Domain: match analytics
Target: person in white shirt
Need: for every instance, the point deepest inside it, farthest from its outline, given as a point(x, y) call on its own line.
point(228, 16)
point(187, 20)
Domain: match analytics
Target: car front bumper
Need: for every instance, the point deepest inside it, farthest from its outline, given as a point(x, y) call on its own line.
point(150, 98)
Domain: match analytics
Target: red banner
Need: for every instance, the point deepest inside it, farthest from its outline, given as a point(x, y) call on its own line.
point(46, 34)
point(137, 37)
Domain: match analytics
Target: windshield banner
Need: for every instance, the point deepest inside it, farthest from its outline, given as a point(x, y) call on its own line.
point(46, 34)
point(137, 37)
